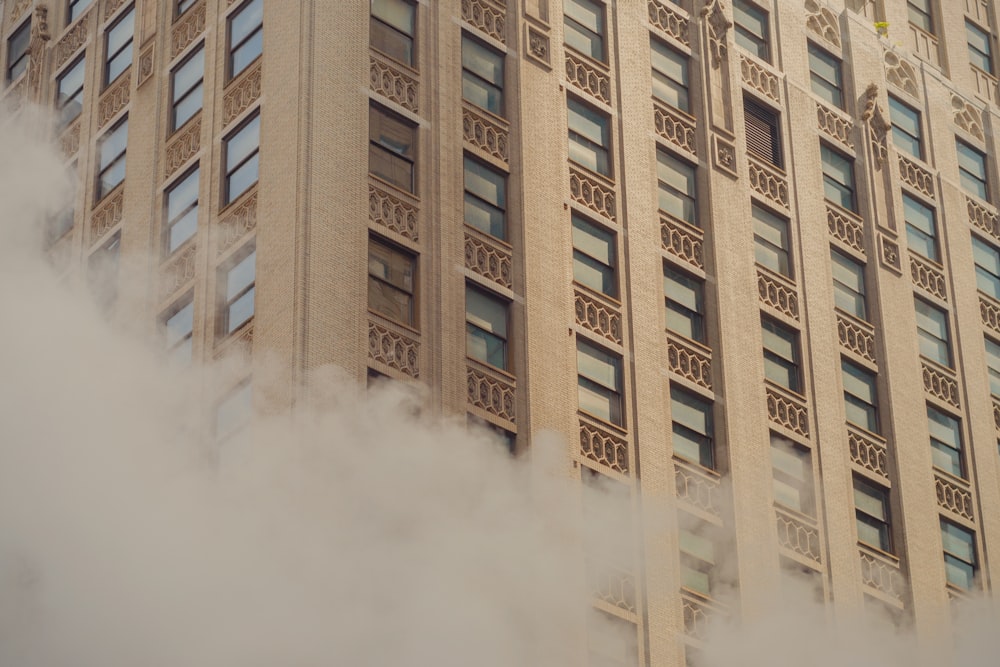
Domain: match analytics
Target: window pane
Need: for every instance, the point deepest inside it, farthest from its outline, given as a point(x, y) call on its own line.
point(958, 542)
point(670, 76)
point(771, 241)
point(242, 144)
point(245, 21)
point(972, 170)
point(825, 76)
point(241, 275)
point(593, 257)
point(588, 123)
point(601, 367)
point(993, 366)
point(397, 13)
point(180, 324)
point(584, 22)
point(848, 285)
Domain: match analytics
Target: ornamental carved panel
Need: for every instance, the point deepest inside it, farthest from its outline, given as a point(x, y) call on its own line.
point(238, 222)
point(601, 318)
point(968, 117)
point(690, 362)
point(882, 575)
point(822, 21)
point(989, 310)
point(698, 616)
point(491, 392)
point(69, 142)
point(698, 488)
point(778, 295)
point(178, 272)
point(486, 134)
point(868, 452)
point(110, 7)
point(760, 79)
point(846, 226)
point(612, 585)
point(768, 184)
point(681, 241)
point(107, 215)
point(393, 213)
point(916, 176)
point(71, 43)
point(182, 147)
point(538, 46)
point(797, 535)
point(889, 256)
point(928, 277)
point(858, 338)
point(983, 217)
point(901, 74)
point(387, 80)
point(393, 349)
point(487, 15)
point(834, 125)
point(114, 98)
point(669, 21)
point(241, 94)
point(147, 60)
point(588, 78)
point(587, 190)
point(940, 385)
point(787, 413)
point(17, 7)
point(954, 498)
point(724, 155)
point(601, 446)
point(187, 29)
point(488, 259)
point(675, 127)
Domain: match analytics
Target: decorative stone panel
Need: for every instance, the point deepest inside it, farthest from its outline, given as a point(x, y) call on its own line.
point(986, 84)
point(107, 215)
point(613, 585)
point(868, 451)
point(487, 15)
point(760, 79)
point(698, 615)
point(241, 94)
point(110, 7)
point(598, 316)
point(857, 337)
point(147, 59)
point(674, 126)
point(239, 344)
point(834, 125)
point(982, 217)
point(928, 277)
point(488, 258)
point(698, 487)
point(586, 189)
point(69, 142)
point(71, 43)
point(386, 79)
point(954, 498)
point(724, 155)
point(239, 222)
point(822, 22)
point(777, 293)
point(599, 444)
point(889, 256)
point(114, 98)
point(669, 21)
point(393, 348)
point(845, 226)
point(682, 241)
point(900, 73)
point(178, 272)
point(768, 183)
point(187, 29)
point(989, 310)
point(538, 46)
point(588, 77)
point(485, 133)
point(996, 415)
point(787, 412)
point(882, 574)
point(491, 391)
point(182, 147)
point(968, 117)
point(690, 360)
point(393, 213)
point(916, 176)
point(17, 7)
point(940, 385)
point(718, 25)
point(797, 535)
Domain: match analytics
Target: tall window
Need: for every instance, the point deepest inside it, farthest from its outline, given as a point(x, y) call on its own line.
point(102, 272)
point(76, 9)
point(849, 285)
point(17, 51)
point(987, 259)
point(972, 170)
point(246, 36)
point(242, 149)
point(486, 327)
point(980, 51)
point(670, 76)
point(182, 212)
point(993, 366)
point(111, 148)
point(946, 441)
point(676, 180)
point(685, 304)
point(391, 282)
point(594, 257)
point(959, 554)
point(392, 147)
point(781, 354)
point(692, 427)
point(838, 178)
point(584, 27)
point(860, 396)
point(69, 92)
point(589, 137)
point(236, 290)
point(871, 508)
point(185, 88)
point(392, 28)
point(178, 326)
point(697, 558)
point(763, 133)
point(907, 134)
point(791, 466)
point(921, 14)
point(751, 31)
point(932, 331)
point(771, 242)
point(118, 46)
point(182, 6)
point(825, 76)
point(921, 228)
point(599, 382)
point(482, 75)
point(485, 199)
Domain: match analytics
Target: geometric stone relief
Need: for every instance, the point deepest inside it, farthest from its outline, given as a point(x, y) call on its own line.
point(182, 147)
point(386, 80)
point(990, 313)
point(69, 142)
point(392, 212)
point(613, 585)
point(486, 134)
point(777, 295)
point(984, 218)
point(588, 78)
point(846, 226)
point(764, 82)
point(587, 190)
point(882, 575)
point(770, 185)
point(940, 385)
point(889, 257)
point(857, 338)
point(834, 125)
point(669, 21)
point(822, 21)
point(191, 24)
point(868, 451)
point(928, 277)
point(798, 536)
point(675, 127)
point(392, 349)
point(954, 498)
point(487, 15)
point(916, 176)
point(70, 42)
point(600, 446)
point(690, 363)
point(697, 488)
point(240, 96)
point(114, 99)
point(178, 272)
point(107, 216)
point(538, 46)
point(491, 392)
point(603, 319)
point(681, 241)
point(968, 117)
point(785, 412)
point(490, 260)
point(238, 222)
point(901, 74)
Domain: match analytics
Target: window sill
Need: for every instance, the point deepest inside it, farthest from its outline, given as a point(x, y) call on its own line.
point(393, 189)
point(590, 60)
point(232, 81)
point(385, 57)
point(187, 124)
point(233, 204)
point(864, 547)
point(952, 477)
point(405, 329)
point(486, 367)
point(600, 422)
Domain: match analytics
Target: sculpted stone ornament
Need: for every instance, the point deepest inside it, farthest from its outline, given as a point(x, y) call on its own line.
point(718, 26)
point(36, 50)
point(878, 126)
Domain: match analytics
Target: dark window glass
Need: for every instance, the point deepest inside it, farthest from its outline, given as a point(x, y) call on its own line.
point(183, 6)
point(871, 507)
point(392, 147)
point(594, 257)
point(670, 76)
point(993, 366)
point(76, 9)
point(118, 46)
point(825, 76)
point(781, 354)
point(69, 92)
point(959, 554)
point(391, 282)
point(237, 291)
point(589, 137)
point(692, 427)
point(242, 159)
point(486, 327)
point(485, 199)
point(791, 467)
point(182, 212)
point(17, 51)
point(932, 332)
point(921, 228)
point(972, 170)
point(838, 178)
point(946, 441)
point(860, 396)
point(482, 75)
point(392, 28)
point(907, 134)
point(920, 14)
point(599, 383)
point(771, 243)
point(980, 53)
point(676, 180)
point(987, 259)
point(685, 304)
point(186, 88)
point(751, 31)
point(584, 27)
point(111, 149)
point(246, 36)
point(849, 285)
